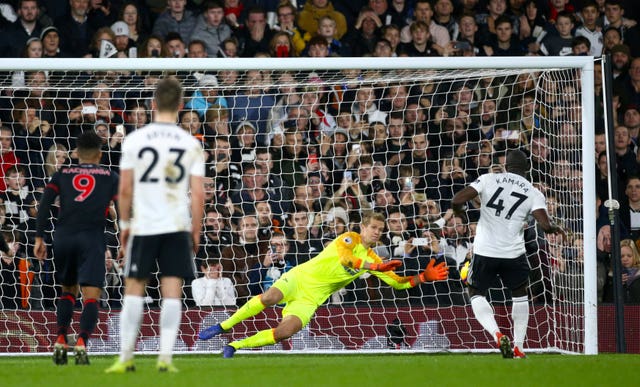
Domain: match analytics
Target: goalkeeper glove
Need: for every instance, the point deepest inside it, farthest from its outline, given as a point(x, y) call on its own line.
point(385, 266)
point(434, 272)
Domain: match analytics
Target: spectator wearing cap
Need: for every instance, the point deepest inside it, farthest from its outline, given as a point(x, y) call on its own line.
point(211, 28)
point(75, 30)
point(175, 19)
point(243, 143)
point(206, 95)
point(27, 26)
point(51, 43)
point(620, 58)
point(122, 40)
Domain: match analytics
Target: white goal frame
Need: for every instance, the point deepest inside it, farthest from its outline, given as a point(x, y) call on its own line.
point(582, 63)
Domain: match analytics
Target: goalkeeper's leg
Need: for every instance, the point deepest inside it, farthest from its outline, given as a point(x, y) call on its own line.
point(254, 306)
point(289, 326)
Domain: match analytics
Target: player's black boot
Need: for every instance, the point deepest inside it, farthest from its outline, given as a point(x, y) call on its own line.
point(80, 353)
point(60, 353)
point(505, 346)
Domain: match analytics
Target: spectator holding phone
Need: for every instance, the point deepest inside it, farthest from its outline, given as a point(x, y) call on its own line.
point(272, 265)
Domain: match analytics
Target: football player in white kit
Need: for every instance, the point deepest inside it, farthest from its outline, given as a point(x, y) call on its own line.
point(498, 249)
point(160, 200)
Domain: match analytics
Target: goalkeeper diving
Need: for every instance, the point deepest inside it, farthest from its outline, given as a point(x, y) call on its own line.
point(308, 285)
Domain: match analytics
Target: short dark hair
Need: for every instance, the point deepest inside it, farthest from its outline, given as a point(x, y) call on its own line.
point(517, 162)
point(89, 140)
point(89, 144)
point(168, 95)
point(212, 4)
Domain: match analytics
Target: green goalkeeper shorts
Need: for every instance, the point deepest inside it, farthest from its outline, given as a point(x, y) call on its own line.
point(299, 302)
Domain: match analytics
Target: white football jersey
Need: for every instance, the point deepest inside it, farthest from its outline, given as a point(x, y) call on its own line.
point(507, 200)
point(163, 157)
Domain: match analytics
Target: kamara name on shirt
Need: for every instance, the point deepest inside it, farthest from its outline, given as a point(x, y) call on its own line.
point(513, 181)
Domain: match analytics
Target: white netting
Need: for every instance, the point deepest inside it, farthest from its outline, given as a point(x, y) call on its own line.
point(279, 143)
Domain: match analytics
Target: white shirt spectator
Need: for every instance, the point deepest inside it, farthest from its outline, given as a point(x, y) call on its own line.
point(213, 291)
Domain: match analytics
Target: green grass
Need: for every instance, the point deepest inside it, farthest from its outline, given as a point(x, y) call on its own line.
point(333, 370)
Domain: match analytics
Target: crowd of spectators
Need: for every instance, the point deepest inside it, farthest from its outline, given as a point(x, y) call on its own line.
point(293, 158)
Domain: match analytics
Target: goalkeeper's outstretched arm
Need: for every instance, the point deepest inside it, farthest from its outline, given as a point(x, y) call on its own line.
point(432, 272)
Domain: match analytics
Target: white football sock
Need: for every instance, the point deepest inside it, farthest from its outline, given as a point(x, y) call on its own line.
point(170, 317)
point(520, 316)
point(130, 318)
point(484, 314)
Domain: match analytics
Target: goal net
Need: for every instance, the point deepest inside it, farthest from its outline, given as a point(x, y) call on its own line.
point(296, 151)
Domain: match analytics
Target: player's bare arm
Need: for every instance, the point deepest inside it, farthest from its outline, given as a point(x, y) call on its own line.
point(462, 197)
point(197, 209)
point(547, 225)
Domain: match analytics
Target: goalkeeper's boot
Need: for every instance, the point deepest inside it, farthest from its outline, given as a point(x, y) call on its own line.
point(80, 352)
point(121, 367)
point(518, 354)
point(211, 332)
point(60, 353)
point(228, 351)
point(162, 366)
point(505, 346)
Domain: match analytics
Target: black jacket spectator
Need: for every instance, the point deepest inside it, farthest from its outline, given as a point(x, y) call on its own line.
point(75, 37)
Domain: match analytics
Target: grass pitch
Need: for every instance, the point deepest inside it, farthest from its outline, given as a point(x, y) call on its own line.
point(393, 369)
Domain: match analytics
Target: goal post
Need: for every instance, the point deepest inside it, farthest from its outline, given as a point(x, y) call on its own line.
point(564, 312)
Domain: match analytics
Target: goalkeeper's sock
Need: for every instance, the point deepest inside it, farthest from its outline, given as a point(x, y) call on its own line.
point(65, 313)
point(130, 318)
point(88, 319)
point(260, 339)
point(484, 314)
point(520, 316)
point(250, 309)
point(170, 317)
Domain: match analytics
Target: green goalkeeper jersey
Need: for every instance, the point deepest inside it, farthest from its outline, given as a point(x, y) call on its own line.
point(338, 265)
